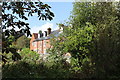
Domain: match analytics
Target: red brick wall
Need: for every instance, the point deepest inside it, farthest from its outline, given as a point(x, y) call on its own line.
point(46, 45)
point(34, 36)
point(39, 46)
point(43, 45)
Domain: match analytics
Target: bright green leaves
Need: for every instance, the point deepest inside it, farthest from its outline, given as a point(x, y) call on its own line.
point(93, 39)
point(80, 36)
point(28, 55)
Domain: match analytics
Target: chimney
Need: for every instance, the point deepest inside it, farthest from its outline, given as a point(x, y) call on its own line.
point(35, 35)
point(49, 30)
point(41, 34)
point(45, 33)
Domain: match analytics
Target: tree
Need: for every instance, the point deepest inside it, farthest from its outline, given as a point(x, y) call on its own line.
point(22, 42)
point(15, 14)
point(106, 49)
point(93, 39)
point(103, 48)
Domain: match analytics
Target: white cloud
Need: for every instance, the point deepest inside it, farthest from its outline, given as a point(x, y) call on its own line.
point(44, 27)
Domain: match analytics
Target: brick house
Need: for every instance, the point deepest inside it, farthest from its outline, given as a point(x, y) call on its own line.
point(41, 43)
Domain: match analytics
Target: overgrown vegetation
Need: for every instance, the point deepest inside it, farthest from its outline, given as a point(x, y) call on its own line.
point(92, 36)
point(32, 66)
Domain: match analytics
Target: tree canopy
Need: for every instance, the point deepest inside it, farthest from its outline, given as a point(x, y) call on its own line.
point(93, 39)
point(22, 42)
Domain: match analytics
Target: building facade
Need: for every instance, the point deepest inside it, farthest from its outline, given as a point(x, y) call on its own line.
point(41, 43)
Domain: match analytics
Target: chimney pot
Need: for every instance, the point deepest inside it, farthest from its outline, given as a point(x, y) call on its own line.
point(49, 30)
point(45, 33)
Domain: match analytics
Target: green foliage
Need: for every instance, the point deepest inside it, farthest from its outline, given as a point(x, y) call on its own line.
point(53, 60)
point(30, 67)
point(28, 55)
point(8, 57)
point(25, 54)
point(19, 69)
point(102, 50)
point(22, 42)
point(93, 39)
point(6, 43)
point(23, 69)
point(77, 42)
point(79, 39)
point(81, 13)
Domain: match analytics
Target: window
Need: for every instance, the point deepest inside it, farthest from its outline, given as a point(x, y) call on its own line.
point(40, 43)
point(34, 44)
point(44, 44)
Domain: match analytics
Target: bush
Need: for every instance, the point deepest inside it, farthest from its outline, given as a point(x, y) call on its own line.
point(28, 55)
point(54, 66)
point(25, 69)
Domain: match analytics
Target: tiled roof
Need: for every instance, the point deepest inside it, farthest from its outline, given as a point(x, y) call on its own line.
point(54, 33)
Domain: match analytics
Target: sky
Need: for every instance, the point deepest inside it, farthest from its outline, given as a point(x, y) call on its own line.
point(61, 10)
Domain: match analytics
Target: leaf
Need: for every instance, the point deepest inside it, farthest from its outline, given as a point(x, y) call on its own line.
point(50, 18)
point(24, 17)
point(36, 2)
point(51, 14)
point(39, 12)
point(40, 18)
point(28, 33)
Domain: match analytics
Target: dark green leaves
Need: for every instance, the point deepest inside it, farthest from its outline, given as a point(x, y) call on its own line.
point(20, 10)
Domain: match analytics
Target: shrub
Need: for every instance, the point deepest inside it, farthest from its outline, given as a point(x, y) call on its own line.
point(28, 55)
